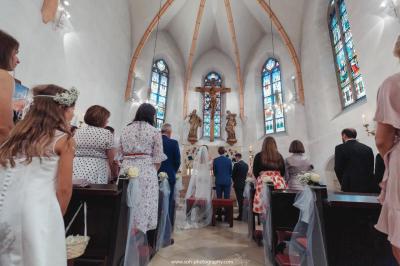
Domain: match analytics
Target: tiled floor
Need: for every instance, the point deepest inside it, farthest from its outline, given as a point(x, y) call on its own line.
point(219, 245)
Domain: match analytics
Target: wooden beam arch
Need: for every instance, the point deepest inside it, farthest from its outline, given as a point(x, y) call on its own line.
point(191, 55)
point(237, 56)
point(140, 46)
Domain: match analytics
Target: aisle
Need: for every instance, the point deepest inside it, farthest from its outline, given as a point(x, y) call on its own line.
point(218, 245)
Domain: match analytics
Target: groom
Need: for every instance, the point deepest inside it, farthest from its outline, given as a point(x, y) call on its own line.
point(222, 168)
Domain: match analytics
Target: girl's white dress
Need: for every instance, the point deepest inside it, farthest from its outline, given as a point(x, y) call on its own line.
point(31, 223)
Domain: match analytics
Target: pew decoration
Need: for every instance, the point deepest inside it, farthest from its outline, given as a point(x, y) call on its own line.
point(307, 245)
point(76, 245)
point(267, 224)
point(128, 174)
point(164, 222)
point(308, 178)
point(162, 176)
point(247, 213)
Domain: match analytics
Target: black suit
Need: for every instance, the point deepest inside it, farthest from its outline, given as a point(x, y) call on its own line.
point(239, 173)
point(354, 166)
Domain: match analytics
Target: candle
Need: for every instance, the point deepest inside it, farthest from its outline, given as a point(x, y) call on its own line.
point(364, 119)
point(250, 148)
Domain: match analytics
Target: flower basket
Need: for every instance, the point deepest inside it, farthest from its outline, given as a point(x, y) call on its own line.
point(76, 245)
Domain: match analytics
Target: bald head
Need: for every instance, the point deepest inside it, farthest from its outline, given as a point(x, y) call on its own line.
point(166, 129)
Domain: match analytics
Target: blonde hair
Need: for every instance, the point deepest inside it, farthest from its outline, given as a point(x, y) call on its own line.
point(396, 50)
point(32, 136)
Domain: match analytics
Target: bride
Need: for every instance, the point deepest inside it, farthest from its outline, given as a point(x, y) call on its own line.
point(199, 213)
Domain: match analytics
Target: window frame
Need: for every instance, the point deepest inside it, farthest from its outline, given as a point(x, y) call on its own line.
point(273, 96)
point(205, 80)
point(161, 73)
point(334, 8)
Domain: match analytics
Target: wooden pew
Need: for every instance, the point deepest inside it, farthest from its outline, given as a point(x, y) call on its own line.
point(284, 217)
point(350, 234)
point(107, 216)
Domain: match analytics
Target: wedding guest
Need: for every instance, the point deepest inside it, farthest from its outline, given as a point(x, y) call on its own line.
point(171, 165)
point(239, 174)
point(94, 157)
point(354, 163)
point(36, 177)
point(379, 172)
point(142, 147)
point(115, 163)
point(295, 164)
point(8, 62)
point(268, 162)
point(387, 141)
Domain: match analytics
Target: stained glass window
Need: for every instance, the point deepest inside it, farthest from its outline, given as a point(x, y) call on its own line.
point(159, 89)
point(274, 115)
point(212, 79)
point(348, 71)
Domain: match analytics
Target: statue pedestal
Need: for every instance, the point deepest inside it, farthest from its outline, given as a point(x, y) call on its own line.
point(231, 141)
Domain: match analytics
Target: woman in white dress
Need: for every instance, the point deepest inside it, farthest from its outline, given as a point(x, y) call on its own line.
point(8, 62)
point(141, 147)
point(36, 181)
point(198, 194)
point(94, 157)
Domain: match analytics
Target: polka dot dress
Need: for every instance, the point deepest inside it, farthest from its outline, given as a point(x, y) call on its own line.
point(90, 160)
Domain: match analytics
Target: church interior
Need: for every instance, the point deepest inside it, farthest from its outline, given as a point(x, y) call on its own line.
point(231, 74)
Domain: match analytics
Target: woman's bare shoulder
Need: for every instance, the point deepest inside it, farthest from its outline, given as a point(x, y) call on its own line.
point(5, 78)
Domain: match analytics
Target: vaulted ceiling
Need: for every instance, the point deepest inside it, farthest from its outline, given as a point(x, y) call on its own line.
point(251, 22)
point(231, 26)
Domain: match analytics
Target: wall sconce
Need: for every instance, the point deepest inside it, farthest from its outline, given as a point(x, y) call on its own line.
point(366, 126)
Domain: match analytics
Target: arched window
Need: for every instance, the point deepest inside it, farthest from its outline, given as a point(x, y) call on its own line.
point(274, 117)
point(347, 69)
point(212, 79)
point(159, 89)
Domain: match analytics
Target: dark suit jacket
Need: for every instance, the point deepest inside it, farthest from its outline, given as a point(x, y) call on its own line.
point(222, 167)
point(239, 174)
point(354, 166)
point(171, 165)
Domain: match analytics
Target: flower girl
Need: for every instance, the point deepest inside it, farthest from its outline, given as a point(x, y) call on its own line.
point(36, 181)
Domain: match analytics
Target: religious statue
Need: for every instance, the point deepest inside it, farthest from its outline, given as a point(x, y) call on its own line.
point(230, 127)
point(195, 122)
point(213, 91)
point(213, 102)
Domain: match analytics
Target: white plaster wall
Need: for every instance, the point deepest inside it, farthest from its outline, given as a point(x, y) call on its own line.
point(216, 60)
point(166, 49)
point(374, 34)
point(94, 56)
point(253, 128)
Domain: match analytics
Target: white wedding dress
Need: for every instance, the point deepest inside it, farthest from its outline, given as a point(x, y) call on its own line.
point(199, 214)
point(31, 223)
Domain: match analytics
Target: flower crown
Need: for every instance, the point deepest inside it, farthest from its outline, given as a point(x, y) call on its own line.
point(66, 98)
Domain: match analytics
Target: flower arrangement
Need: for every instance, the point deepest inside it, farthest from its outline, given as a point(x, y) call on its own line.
point(251, 179)
point(309, 178)
point(162, 176)
point(129, 173)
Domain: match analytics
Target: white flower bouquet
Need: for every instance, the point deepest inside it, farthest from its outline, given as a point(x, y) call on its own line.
point(129, 173)
point(162, 176)
point(309, 178)
point(251, 179)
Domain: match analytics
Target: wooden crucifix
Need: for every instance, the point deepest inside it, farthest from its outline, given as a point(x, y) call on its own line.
point(213, 91)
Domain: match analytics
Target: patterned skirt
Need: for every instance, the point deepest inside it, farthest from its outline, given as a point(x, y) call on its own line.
point(277, 180)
